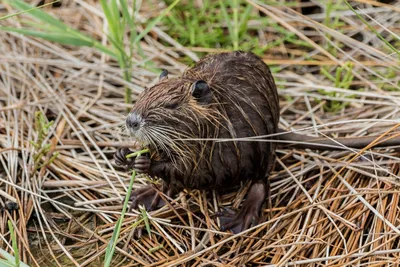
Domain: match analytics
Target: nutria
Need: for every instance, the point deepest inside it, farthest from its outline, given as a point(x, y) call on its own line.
point(226, 95)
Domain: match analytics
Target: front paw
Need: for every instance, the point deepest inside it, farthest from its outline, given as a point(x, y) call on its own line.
point(121, 160)
point(140, 164)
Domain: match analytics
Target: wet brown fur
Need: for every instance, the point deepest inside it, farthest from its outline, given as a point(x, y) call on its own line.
point(244, 103)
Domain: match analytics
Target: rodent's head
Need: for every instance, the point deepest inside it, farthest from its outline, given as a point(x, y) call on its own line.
point(172, 110)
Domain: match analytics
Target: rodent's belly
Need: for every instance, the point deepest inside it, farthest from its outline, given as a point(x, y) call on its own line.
point(228, 166)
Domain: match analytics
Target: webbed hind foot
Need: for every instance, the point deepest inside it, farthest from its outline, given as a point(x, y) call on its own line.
point(249, 214)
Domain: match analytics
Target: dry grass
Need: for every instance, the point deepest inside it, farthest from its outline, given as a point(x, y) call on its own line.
point(325, 208)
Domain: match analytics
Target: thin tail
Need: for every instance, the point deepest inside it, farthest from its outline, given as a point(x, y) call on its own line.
point(342, 143)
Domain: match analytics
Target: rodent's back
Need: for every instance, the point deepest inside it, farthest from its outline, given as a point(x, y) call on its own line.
point(245, 95)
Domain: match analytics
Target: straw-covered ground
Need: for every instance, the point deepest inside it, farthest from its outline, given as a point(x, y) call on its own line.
point(63, 194)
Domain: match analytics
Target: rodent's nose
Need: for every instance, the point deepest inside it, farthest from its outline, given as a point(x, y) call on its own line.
point(133, 121)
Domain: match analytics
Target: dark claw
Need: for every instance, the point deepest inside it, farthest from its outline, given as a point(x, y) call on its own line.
point(141, 164)
point(120, 157)
point(240, 221)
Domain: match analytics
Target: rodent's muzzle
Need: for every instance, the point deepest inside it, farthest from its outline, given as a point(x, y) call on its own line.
point(133, 121)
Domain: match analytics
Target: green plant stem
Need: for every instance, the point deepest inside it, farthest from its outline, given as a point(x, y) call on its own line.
point(28, 10)
point(236, 25)
point(114, 239)
point(14, 243)
point(138, 153)
point(128, 91)
point(397, 51)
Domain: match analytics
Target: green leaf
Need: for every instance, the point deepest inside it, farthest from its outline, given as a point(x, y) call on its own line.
point(37, 13)
point(28, 10)
point(245, 19)
point(373, 29)
point(119, 26)
point(146, 221)
point(113, 241)
point(64, 33)
point(14, 244)
point(9, 259)
point(37, 25)
point(112, 19)
point(5, 263)
point(61, 38)
point(138, 153)
point(154, 249)
point(126, 15)
point(7, 255)
point(128, 19)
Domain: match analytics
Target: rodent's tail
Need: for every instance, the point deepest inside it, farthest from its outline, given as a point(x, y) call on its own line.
point(289, 139)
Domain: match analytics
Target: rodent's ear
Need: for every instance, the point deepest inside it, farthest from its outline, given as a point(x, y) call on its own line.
point(201, 92)
point(163, 75)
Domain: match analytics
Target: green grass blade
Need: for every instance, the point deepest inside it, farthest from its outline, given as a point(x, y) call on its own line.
point(137, 153)
point(245, 19)
point(133, 29)
point(37, 25)
point(61, 38)
point(112, 17)
point(6, 255)
point(65, 34)
point(113, 241)
point(14, 244)
point(9, 259)
point(154, 249)
point(28, 10)
point(235, 24)
point(116, 34)
point(225, 14)
point(146, 221)
point(5, 263)
point(126, 15)
point(338, 75)
point(397, 51)
point(155, 21)
point(129, 20)
point(108, 14)
point(117, 25)
point(120, 27)
point(37, 13)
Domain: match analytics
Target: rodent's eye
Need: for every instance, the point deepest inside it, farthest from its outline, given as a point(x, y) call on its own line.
point(172, 106)
point(163, 75)
point(201, 92)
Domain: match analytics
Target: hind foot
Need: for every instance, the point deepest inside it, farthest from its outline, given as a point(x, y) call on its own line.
point(149, 197)
point(249, 213)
